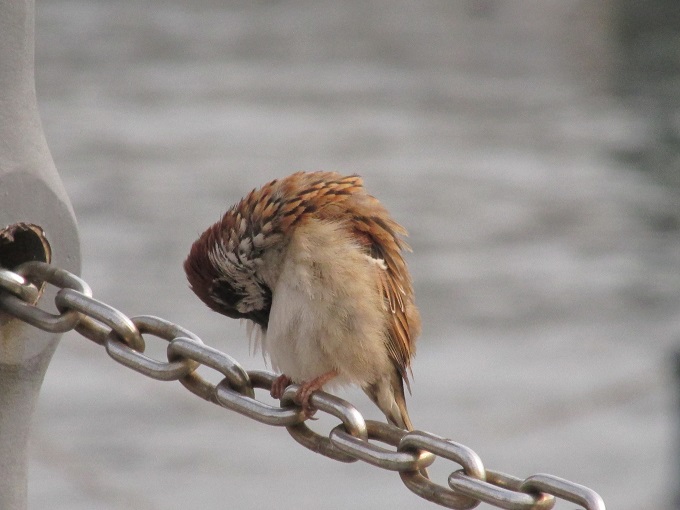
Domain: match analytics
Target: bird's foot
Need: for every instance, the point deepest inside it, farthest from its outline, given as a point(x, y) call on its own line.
point(308, 387)
point(279, 386)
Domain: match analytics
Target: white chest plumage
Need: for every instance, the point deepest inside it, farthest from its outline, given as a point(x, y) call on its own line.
point(327, 311)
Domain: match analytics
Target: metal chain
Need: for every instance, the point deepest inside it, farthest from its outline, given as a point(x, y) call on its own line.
point(354, 439)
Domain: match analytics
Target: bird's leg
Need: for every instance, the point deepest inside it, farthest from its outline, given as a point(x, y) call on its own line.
point(279, 386)
point(308, 387)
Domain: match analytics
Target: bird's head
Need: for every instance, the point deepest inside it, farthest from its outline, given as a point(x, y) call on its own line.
point(223, 276)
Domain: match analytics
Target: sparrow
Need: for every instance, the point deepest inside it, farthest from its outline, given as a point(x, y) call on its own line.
point(315, 264)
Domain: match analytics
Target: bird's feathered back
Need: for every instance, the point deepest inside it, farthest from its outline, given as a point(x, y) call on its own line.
point(224, 264)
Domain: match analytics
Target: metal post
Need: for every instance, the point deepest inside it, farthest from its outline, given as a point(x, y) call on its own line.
point(30, 193)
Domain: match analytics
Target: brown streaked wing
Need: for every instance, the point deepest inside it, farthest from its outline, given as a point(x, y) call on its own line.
point(381, 237)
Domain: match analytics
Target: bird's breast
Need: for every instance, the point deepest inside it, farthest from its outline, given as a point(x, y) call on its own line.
point(327, 311)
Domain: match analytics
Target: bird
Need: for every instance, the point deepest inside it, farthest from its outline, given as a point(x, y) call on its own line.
point(315, 265)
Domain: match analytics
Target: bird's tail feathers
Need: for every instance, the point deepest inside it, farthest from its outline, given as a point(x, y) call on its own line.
point(388, 395)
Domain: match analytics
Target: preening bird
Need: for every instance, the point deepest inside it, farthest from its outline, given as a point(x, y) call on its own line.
point(316, 264)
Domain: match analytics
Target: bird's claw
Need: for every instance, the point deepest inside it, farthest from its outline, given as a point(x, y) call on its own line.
point(279, 386)
point(302, 399)
point(308, 388)
point(304, 392)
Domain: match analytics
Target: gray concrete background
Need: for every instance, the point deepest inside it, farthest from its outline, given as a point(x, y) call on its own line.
point(546, 270)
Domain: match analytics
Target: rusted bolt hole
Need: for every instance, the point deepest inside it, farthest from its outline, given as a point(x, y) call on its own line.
point(23, 242)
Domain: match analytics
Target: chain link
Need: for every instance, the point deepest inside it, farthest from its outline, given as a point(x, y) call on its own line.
point(19, 286)
point(352, 420)
point(39, 271)
point(423, 487)
point(349, 441)
point(252, 408)
point(501, 490)
point(376, 455)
